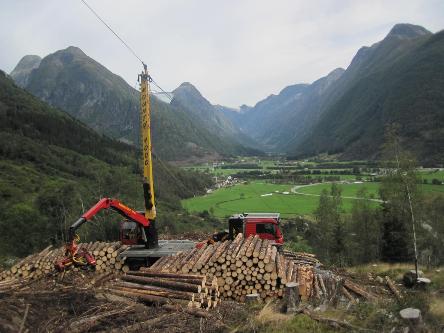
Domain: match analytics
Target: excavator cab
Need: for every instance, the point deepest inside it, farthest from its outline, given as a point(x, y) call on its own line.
point(130, 233)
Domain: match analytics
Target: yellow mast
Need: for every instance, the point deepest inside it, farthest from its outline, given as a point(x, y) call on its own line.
point(145, 129)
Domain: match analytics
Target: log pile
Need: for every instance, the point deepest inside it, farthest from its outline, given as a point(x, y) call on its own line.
point(254, 266)
point(9, 285)
point(154, 287)
point(231, 270)
point(242, 267)
point(40, 264)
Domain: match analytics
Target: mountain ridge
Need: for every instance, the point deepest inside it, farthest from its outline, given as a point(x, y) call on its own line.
point(78, 84)
point(354, 125)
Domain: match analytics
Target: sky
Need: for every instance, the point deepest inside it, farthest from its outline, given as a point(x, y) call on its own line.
point(234, 51)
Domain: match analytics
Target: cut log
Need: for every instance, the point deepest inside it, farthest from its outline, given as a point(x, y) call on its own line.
point(348, 295)
point(150, 298)
point(393, 288)
point(249, 251)
point(162, 293)
point(147, 271)
point(271, 265)
point(163, 283)
point(244, 247)
point(358, 290)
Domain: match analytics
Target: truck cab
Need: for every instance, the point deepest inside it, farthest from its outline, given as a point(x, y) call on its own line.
point(265, 225)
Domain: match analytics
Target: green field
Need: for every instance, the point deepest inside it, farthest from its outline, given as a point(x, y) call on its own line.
point(432, 174)
point(348, 190)
point(248, 198)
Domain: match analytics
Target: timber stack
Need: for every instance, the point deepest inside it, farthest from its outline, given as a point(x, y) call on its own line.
point(40, 264)
point(242, 267)
point(231, 270)
point(154, 287)
point(254, 266)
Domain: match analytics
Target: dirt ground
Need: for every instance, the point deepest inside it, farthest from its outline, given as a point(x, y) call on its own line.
point(71, 305)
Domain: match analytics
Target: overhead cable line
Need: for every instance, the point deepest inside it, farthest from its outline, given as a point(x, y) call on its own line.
point(110, 29)
point(124, 43)
point(166, 93)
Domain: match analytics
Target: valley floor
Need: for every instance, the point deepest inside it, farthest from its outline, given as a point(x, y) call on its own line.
point(288, 199)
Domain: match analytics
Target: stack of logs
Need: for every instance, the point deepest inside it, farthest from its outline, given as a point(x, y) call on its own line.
point(6, 286)
point(255, 266)
point(243, 266)
point(42, 263)
point(238, 268)
point(147, 285)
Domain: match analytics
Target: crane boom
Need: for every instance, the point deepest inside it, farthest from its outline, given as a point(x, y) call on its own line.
point(146, 221)
point(145, 129)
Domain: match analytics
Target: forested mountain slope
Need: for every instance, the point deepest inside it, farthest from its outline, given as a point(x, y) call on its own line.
point(397, 81)
point(53, 167)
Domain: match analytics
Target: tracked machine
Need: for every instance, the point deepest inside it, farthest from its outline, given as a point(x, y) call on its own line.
point(139, 228)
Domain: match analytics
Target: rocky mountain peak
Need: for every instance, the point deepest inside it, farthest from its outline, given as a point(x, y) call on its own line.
point(188, 88)
point(406, 30)
point(20, 73)
point(73, 50)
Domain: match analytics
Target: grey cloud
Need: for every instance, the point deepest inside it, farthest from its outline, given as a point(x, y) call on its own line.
point(235, 52)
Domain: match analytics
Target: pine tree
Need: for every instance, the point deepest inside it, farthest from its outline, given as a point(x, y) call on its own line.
point(401, 197)
point(331, 229)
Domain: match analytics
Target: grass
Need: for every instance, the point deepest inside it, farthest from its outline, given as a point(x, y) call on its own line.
point(248, 198)
point(378, 317)
point(348, 190)
point(430, 301)
point(269, 320)
point(432, 174)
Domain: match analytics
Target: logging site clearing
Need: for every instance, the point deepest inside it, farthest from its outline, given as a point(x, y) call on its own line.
point(242, 285)
point(241, 219)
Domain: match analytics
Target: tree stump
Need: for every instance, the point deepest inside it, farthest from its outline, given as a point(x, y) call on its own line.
point(412, 317)
point(410, 279)
point(252, 298)
point(292, 297)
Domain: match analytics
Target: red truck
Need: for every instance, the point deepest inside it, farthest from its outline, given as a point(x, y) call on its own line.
point(266, 225)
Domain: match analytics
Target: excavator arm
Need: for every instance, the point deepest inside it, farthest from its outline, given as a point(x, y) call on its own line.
point(74, 256)
point(106, 203)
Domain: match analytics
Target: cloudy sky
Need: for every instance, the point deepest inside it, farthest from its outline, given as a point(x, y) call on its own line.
point(233, 51)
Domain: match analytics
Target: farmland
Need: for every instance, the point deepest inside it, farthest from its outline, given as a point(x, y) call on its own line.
point(260, 197)
point(287, 197)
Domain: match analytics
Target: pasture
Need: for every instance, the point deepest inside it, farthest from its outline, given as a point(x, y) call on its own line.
point(266, 197)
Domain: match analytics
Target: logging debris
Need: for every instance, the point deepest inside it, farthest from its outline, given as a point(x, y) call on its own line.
point(204, 283)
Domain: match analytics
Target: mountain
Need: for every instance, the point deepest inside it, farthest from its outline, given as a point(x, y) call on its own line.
point(398, 80)
point(22, 71)
point(281, 119)
point(72, 81)
point(53, 167)
point(212, 118)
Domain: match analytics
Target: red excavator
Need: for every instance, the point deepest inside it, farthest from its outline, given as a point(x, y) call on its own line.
point(139, 229)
